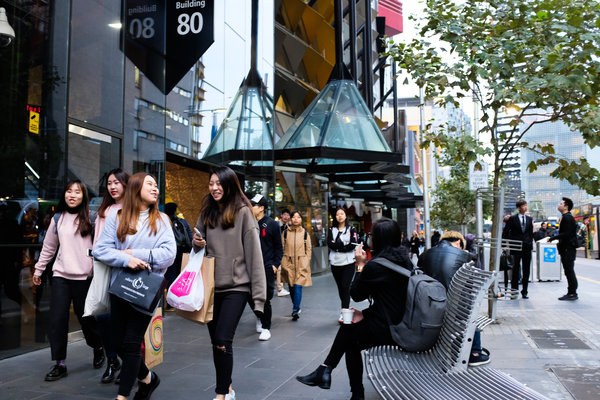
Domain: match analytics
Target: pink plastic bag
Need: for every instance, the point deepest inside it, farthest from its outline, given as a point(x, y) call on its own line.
point(187, 291)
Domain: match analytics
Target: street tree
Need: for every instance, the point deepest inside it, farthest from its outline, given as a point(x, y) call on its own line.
point(537, 60)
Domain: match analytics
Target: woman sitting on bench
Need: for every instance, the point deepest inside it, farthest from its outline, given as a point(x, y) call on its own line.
point(386, 291)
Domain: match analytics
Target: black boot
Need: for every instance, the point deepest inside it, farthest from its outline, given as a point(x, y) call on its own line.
point(358, 396)
point(99, 357)
point(145, 389)
point(320, 377)
point(112, 367)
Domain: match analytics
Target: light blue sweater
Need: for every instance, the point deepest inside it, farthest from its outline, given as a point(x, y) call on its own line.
point(163, 246)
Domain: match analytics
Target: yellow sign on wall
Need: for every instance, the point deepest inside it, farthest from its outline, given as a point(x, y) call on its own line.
point(34, 122)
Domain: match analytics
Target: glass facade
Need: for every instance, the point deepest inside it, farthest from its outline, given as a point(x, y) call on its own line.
point(75, 107)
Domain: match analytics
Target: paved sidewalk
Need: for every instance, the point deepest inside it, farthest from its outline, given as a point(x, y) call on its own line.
point(267, 370)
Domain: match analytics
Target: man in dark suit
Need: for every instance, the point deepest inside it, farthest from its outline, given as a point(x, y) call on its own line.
point(520, 227)
point(567, 243)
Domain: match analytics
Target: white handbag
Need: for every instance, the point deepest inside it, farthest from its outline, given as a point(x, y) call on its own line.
point(97, 301)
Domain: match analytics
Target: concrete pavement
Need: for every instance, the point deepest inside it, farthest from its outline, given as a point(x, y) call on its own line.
point(267, 370)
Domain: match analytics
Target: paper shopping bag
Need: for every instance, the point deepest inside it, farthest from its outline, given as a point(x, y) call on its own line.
point(153, 340)
point(205, 314)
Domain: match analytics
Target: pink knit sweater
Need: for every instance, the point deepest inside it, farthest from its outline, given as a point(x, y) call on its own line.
point(101, 221)
point(72, 261)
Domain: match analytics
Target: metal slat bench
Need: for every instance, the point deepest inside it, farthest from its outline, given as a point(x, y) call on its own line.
point(442, 373)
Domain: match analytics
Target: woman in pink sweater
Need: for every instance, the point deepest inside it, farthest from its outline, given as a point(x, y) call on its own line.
point(70, 275)
point(116, 182)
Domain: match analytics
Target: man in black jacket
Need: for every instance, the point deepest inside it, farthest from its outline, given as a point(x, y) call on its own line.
point(441, 263)
point(520, 227)
point(567, 239)
point(272, 251)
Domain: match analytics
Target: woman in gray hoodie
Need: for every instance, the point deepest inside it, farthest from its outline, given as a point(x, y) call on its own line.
point(229, 231)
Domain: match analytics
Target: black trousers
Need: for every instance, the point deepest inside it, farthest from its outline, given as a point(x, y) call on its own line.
point(521, 260)
point(227, 312)
point(343, 275)
point(65, 291)
point(128, 328)
point(175, 269)
point(350, 340)
point(567, 258)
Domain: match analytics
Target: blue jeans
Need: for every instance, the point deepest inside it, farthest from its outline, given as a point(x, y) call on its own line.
point(476, 347)
point(296, 296)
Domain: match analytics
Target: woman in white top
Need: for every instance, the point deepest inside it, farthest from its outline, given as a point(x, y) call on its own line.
point(341, 241)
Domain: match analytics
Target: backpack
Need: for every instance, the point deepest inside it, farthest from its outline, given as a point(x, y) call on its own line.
point(184, 243)
point(423, 312)
point(581, 235)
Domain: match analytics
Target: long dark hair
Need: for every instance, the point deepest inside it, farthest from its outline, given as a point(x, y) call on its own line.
point(84, 224)
point(335, 223)
point(130, 212)
point(225, 211)
point(107, 199)
point(385, 234)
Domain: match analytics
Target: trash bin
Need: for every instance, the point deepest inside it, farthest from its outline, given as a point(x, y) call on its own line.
point(548, 262)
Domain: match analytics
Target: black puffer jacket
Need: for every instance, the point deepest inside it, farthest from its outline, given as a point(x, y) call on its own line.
point(386, 289)
point(442, 261)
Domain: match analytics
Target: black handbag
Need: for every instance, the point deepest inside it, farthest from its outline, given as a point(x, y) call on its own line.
point(506, 261)
point(141, 288)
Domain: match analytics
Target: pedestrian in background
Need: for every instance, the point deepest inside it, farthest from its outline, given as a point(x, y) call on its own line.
point(541, 233)
point(70, 238)
point(112, 200)
point(519, 227)
point(341, 240)
point(415, 243)
point(295, 264)
point(567, 245)
point(284, 222)
point(228, 230)
point(386, 291)
point(272, 251)
point(183, 237)
point(138, 237)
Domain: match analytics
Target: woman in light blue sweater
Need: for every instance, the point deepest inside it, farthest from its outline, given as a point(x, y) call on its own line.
point(138, 237)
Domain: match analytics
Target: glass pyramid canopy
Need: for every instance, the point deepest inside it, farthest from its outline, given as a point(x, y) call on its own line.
point(248, 124)
point(339, 118)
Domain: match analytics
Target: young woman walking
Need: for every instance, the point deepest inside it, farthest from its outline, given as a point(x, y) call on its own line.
point(72, 229)
point(229, 231)
point(138, 237)
point(386, 291)
point(116, 182)
point(295, 264)
point(341, 241)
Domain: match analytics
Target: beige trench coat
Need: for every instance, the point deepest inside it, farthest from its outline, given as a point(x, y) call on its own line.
point(295, 264)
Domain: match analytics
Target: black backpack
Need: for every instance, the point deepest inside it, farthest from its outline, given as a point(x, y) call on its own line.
point(184, 243)
point(423, 312)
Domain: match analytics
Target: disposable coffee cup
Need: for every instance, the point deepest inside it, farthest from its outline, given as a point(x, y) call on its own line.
point(347, 314)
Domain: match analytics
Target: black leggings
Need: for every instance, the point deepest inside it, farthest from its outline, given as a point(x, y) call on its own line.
point(350, 340)
point(227, 312)
point(343, 275)
point(128, 327)
point(65, 291)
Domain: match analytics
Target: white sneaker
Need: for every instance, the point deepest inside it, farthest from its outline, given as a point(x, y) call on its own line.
point(282, 293)
point(259, 328)
point(230, 395)
point(265, 335)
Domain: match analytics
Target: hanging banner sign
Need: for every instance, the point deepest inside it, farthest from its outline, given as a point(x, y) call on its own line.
point(165, 38)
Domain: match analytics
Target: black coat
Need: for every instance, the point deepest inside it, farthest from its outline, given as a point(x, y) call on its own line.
point(384, 287)
point(442, 261)
point(567, 233)
point(512, 230)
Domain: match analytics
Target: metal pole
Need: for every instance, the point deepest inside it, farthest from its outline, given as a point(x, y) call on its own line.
point(395, 107)
point(424, 170)
point(493, 303)
point(478, 194)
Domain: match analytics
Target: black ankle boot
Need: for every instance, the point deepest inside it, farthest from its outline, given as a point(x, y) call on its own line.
point(320, 377)
point(358, 396)
point(111, 370)
point(99, 357)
